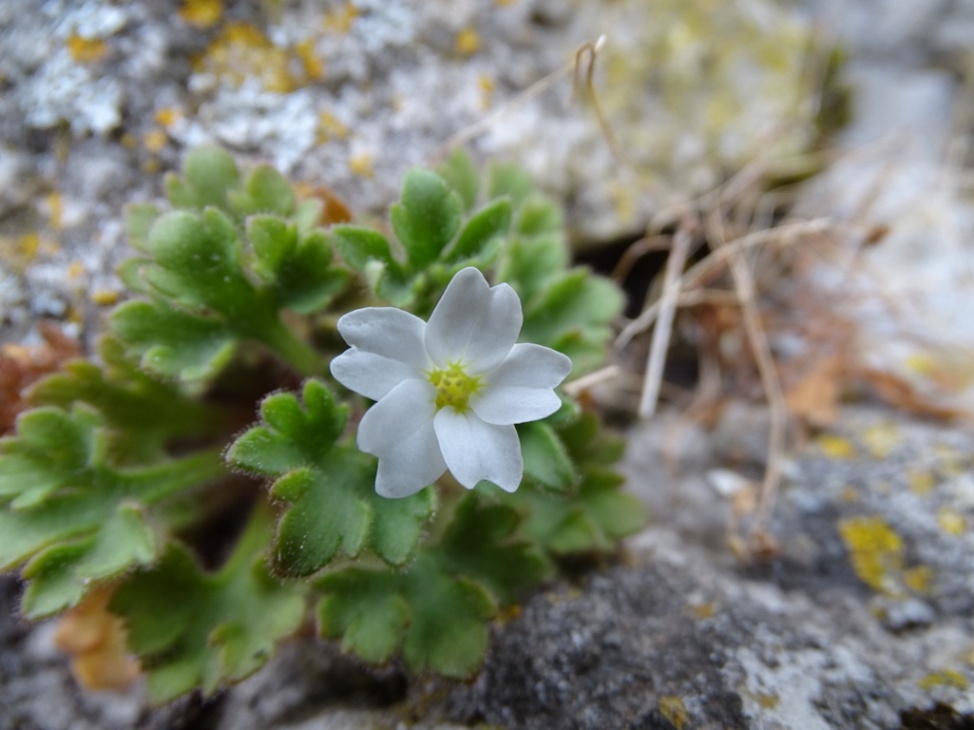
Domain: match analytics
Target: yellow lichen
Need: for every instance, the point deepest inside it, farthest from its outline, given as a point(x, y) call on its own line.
point(943, 678)
point(330, 127)
point(104, 297)
point(672, 708)
point(361, 165)
point(467, 42)
point(918, 579)
point(155, 140)
point(340, 20)
point(920, 482)
point(881, 439)
point(487, 86)
point(836, 447)
point(86, 50)
point(876, 551)
point(55, 211)
point(242, 52)
point(202, 13)
point(168, 117)
point(75, 269)
point(313, 66)
point(951, 522)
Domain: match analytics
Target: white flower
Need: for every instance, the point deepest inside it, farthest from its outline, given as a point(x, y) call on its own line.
point(449, 391)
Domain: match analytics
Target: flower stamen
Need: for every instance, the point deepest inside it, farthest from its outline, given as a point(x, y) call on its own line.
point(454, 387)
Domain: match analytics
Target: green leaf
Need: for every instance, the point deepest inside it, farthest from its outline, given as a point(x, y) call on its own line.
point(510, 180)
point(265, 191)
point(199, 263)
point(171, 343)
point(481, 544)
point(538, 216)
point(139, 218)
point(123, 394)
point(461, 175)
point(427, 216)
point(573, 314)
point(209, 172)
point(74, 515)
point(530, 263)
point(307, 281)
point(329, 487)
point(195, 629)
point(486, 225)
point(273, 241)
point(546, 460)
point(438, 620)
point(359, 246)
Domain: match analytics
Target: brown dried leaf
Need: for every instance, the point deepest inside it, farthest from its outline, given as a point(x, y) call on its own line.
point(815, 396)
point(21, 366)
point(95, 639)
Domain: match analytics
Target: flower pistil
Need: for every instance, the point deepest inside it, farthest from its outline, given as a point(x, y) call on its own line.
point(454, 387)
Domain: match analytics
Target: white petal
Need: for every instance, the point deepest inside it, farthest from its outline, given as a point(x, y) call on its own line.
point(531, 366)
point(371, 375)
point(387, 331)
point(473, 323)
point(399, 430)
point(504, 405)
point(475, 450)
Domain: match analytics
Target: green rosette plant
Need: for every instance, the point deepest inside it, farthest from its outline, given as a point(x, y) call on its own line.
point(427, 474)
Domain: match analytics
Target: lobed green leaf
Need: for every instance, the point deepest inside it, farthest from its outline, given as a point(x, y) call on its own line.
point(195, 629)
point(329, 487)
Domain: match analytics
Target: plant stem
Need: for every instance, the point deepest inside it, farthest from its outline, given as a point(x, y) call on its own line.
point(156, 482)
point(296, 352)
point(254, 539)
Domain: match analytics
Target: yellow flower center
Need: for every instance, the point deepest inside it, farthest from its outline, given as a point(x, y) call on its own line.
point(454, 387)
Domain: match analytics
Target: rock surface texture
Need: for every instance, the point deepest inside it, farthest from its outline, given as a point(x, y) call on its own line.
point(862, 617)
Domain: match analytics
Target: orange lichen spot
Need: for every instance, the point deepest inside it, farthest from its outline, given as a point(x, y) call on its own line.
point(487, 86)
point(951, 521)
point(340, 20)
point(881, 439)
point(766, 700)
point(672, 708)
point(129, 141)
point(503, 3)
point(330, 127)
point(95, 638)
point(836, 447)
point(202, 13)
point(361, 165)
point(152, 166)
point(75, 269)
point(104, 297)
point(703, 610)
point(314, 68)
point(155, 140)
point(86, 50)
point(921, 482)
point(876, 552)
point(242, 52)
point(850, 495)
point(943, 678)
point(467, 42)
point(168, 117)
point(509, 613)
